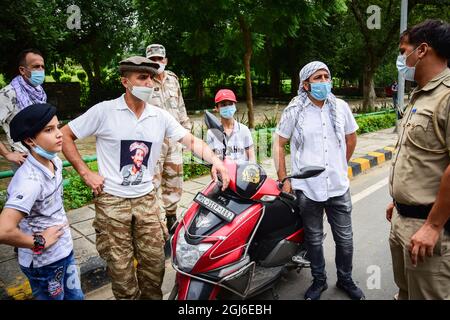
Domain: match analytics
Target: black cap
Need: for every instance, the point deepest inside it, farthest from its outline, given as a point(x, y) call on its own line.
point(138, 64)
point(30, 120)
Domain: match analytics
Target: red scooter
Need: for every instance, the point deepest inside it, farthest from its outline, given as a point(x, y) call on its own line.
point(236, 244)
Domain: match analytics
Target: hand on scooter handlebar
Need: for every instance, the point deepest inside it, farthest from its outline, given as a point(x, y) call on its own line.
point(288, 195)
point(220, 173)
point(287, 186)
point(286, 191)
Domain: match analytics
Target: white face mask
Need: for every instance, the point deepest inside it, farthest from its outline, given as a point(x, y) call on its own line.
point(143, 93)
point(161, 68)
point(408, 72)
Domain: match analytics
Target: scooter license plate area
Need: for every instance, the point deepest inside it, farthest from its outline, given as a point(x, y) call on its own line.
point(216, 208)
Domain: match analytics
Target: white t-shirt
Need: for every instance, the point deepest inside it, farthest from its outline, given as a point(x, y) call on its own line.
point(127, 147)
point(321, 148)
point(38, 194)
point(237, 143)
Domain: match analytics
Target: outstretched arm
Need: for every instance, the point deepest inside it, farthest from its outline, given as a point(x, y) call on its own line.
point(201, 150)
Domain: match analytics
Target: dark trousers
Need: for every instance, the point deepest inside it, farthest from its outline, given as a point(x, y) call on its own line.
point(338, 211)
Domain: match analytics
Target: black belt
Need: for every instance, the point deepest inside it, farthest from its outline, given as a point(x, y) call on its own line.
point(418, 212)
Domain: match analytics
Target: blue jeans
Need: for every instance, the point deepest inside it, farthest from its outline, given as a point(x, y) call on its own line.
point(57, 281)
point(338, 210)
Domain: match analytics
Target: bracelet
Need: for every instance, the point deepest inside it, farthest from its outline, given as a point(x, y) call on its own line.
point(39, 243)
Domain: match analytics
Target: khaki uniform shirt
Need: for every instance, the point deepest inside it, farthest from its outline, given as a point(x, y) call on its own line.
point(167, 95)
point(423, 152)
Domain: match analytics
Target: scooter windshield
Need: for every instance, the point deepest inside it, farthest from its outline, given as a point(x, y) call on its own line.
point(249, 178)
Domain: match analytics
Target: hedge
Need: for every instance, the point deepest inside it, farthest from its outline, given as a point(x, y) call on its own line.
point(77, 194)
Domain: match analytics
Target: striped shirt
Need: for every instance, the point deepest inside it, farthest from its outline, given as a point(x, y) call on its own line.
point(38, 194)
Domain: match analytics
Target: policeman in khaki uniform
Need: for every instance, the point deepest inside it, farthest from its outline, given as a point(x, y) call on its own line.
point(420, 173)
point(169, 173)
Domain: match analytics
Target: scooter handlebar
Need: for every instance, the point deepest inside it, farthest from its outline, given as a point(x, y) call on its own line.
point(288, 195)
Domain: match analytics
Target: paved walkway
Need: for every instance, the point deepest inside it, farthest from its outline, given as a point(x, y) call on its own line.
point(13, 283)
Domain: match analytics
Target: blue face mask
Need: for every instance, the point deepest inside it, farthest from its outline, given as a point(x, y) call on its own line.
point(407, 72)
point(227, 112)
point(320, 90)
point(37, 77)
point(44, 153)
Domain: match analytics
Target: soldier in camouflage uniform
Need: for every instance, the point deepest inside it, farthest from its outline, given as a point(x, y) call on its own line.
point(169, 173)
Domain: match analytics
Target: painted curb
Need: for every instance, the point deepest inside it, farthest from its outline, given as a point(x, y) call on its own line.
point(372, 159)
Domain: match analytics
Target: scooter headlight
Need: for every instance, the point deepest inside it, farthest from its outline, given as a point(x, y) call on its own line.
point(188, 254)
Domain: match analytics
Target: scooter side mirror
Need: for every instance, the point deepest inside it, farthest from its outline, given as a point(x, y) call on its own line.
point(212, 122)
point(216, 127)
point(306, 172)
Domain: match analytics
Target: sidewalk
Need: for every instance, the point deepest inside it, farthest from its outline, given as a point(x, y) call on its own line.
point(370, 151)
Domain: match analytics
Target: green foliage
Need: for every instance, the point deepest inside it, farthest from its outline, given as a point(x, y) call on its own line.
point(65, 78)
point(3, 195)
point(77, 193)
point(81, 75)
point(243, 119)
point(376, 122)
point(2, 81)
point(57, 74)
point(269, 122)
point(84, 96)
point(193, 170)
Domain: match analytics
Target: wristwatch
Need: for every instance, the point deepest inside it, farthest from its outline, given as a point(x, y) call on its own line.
point(39, 243)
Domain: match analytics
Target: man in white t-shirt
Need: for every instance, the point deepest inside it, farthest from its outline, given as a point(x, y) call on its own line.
point(129, 134)
point(322, 132)
point(237, 144)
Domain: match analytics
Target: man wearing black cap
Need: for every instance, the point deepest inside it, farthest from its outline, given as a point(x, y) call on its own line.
point(127, 220)
point(33, 218)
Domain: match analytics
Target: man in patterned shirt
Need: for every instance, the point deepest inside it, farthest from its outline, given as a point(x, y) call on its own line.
point(24, 90)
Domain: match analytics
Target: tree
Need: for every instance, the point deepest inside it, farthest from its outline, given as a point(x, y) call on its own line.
point(28, 24)
point(378, 42)
point(106, 35)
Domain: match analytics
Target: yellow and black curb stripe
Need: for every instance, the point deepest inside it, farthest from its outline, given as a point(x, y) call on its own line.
point(359, 165)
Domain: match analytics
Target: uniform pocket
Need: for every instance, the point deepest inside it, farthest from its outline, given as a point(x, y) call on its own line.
point(173, 99)
point(422, 134)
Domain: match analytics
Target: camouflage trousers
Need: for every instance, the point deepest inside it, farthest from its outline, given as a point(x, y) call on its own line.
point(129, 229)
point(168, 178)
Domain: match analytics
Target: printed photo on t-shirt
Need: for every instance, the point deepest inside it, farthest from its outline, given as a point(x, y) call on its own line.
point(134, 157)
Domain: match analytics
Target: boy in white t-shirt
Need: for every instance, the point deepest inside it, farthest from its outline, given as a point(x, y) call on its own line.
point(238, 138)
point(129, 134)
point(33, 218)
